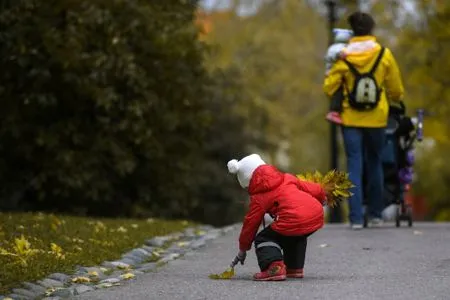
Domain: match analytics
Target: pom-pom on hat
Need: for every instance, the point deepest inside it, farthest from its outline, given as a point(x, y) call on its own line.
point(244, 168)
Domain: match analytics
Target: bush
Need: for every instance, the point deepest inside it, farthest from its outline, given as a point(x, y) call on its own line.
point(106, 110)
point(227, 137)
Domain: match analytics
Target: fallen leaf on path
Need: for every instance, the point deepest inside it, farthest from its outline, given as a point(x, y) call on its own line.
point(324, 245)
point(81, 279)
point(49, 292)
point(200, 232)
point(417, 232)
point(93, 274)
point(127, 276)
point(183, 244)
point(124, 267)
point(228, 274)
point(107, 285)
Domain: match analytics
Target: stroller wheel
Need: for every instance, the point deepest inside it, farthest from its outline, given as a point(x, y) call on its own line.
point(397, 217)
point(410, 217)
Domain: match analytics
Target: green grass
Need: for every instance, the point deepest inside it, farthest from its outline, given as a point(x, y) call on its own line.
point(76, 241)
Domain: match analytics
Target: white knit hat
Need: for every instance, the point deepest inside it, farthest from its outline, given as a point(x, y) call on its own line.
point(245, 168)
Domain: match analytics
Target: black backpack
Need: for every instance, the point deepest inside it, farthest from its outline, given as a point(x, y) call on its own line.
point(366, 92)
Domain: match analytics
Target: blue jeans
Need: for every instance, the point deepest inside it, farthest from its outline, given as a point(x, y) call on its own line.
point(365, 145)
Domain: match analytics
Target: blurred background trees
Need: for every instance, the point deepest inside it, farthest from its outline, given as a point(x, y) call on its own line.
point(424, 48)
point(133, 108)
point(276, 53)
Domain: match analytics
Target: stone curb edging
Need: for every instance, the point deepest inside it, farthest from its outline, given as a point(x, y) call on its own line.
point(155, 253)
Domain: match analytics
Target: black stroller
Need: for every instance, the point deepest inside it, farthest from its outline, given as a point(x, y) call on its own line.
point(398, 159)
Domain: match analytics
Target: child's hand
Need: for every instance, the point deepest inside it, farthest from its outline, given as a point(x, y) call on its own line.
point(342, 55)
point(240, 257)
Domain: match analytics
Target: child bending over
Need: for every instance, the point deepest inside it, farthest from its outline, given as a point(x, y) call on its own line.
point(297, 209)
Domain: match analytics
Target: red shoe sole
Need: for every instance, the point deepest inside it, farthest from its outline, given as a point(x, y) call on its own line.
point(273, 278)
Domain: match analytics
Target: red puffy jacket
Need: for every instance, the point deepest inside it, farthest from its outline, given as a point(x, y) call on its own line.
point(296, 205)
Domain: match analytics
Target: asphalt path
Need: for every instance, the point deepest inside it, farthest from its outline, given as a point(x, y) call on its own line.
point(379, 263)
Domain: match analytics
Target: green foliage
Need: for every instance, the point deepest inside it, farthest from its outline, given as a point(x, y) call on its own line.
point(108, 110)
point(425, 63)
point(51, 243)
point(278, 53)
point(227, 137)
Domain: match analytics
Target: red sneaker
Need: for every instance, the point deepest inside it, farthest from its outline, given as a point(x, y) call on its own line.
point(334, 117)
point(275, 272)
point(295, 273)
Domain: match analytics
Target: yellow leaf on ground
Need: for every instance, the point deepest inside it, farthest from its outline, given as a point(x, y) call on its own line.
point(122, 229)
point(127, 276)
point(81, 279)
point(183, 244)
point(123, 267)
point(93, 274)
point(228, 274)
point(22, 246)
point(200, 232)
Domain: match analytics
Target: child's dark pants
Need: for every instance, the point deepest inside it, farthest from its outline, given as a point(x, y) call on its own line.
point(270, 244)
point(336, 100)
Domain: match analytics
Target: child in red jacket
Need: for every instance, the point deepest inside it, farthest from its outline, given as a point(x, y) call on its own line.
point(297, 207)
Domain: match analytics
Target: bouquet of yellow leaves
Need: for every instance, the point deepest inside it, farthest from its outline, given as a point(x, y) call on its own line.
point(335, 183)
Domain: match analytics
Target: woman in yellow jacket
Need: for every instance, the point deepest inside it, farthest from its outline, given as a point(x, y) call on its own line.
point(363, 127)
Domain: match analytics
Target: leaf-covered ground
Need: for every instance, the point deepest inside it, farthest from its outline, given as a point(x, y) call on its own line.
point(33, 246)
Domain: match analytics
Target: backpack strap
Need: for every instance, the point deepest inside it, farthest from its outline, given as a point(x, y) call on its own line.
point(377, 62)
point(352, 68)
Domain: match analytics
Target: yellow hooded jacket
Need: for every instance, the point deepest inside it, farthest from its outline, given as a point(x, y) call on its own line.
point(362, 52)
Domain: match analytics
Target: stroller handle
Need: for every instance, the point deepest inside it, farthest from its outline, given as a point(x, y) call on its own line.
point(420, 115)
